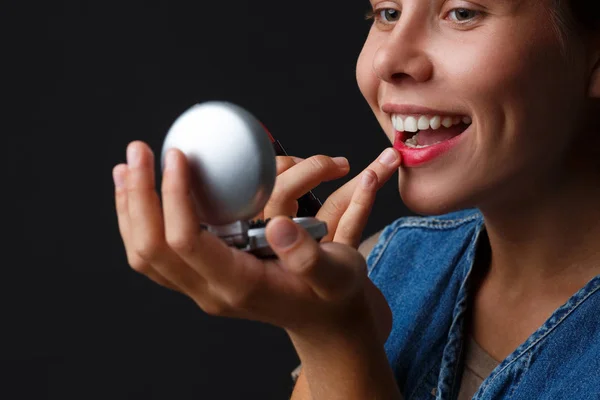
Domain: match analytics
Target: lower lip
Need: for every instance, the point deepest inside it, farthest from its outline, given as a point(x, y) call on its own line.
point(413, 157)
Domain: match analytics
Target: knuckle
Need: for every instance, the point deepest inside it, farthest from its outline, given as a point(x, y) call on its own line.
point(138, 265)
point(277, 195)
point(372, 174)
point(335, 206)
point(240, 298)
point(213, 307)
point(283, 163)
point(149, 249)
point(167, 186)
point(280, 203)
point(181, 244)
point(308, 262)
point(139, 183)
point(121, 198)
point(344, 231)
point(361, 202)
point(320, 162)
point(170, 185)
point(237, 299)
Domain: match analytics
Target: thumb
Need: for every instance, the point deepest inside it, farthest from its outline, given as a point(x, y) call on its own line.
point(334, 271)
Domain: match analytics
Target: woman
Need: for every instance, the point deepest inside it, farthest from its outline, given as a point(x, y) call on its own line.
point(492, 108)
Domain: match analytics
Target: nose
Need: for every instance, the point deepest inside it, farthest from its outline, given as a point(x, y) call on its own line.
point(402, 55)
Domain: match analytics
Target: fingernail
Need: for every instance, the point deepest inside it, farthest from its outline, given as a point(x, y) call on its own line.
point(367, 180)
point(118, 177)
point(170, 160)
point(341, 161)
point(388, 157)
point(133, 156)
point(285, 233)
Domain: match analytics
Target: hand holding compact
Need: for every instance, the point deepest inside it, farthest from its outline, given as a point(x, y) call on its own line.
point(295, 176)
point(309, 287)
point(232, 164)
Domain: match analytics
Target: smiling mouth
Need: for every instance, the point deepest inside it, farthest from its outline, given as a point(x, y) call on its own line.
point(420, 131)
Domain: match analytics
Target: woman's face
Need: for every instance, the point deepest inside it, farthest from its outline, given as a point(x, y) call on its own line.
point(493, 70)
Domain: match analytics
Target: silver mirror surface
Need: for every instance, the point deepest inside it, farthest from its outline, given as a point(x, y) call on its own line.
point(231, 160)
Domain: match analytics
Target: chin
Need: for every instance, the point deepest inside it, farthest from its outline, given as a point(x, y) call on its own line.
point(430, 208)
point(431, 200)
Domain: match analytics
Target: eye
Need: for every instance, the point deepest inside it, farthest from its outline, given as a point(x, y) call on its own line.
point(384, 15)
point(389, 15)
point(463, 15)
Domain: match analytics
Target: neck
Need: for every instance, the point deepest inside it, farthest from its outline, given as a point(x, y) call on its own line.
point(550, 241)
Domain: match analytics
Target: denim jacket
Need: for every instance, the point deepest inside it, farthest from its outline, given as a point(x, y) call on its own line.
point(422, 265)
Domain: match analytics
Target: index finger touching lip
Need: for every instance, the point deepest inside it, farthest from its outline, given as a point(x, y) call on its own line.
point(384, 167)
point(334, 207)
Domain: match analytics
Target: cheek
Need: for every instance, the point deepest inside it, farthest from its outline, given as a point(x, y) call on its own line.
point(483, 74)
point(368, 83)
point(512, 74)
point(512, 87)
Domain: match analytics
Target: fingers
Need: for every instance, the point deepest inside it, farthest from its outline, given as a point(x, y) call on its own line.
point(358, 204)
point(143, 205)
point(235, 281)
point(306, 175)
point(120, 173)
point(206, 254)
point(175, 252)
point(146, 236)
point(120, 178)
point(330, 270)
point(353, 221)
point(283, 164)
point(286, 162)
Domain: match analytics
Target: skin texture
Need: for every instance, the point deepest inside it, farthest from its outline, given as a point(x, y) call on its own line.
point(318, 292)
point(488, 72)
point(530, 155)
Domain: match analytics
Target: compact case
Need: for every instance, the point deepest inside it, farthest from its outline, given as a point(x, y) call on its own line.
point(232, 162)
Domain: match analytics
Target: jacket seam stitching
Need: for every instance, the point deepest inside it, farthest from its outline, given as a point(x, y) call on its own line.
point(384, 246)
point(433, 223)
point(435, 366)
point(418, 222)
point(542, 337)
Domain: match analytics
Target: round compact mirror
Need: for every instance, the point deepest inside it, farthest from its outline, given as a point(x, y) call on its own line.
point(231, 159)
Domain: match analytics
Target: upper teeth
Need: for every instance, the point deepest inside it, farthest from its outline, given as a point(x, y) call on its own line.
point(421, 122)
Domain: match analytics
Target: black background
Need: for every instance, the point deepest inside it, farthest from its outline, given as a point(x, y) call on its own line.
point(81, 80)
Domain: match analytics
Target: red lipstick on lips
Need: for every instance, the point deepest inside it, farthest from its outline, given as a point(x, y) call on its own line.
point(413, 157)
